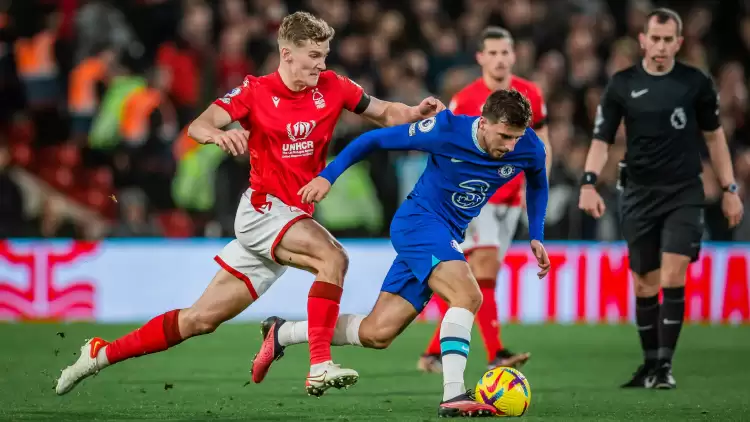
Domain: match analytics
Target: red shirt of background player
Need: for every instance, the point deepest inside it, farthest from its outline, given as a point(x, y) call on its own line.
point(289, 131)
point(470, 101)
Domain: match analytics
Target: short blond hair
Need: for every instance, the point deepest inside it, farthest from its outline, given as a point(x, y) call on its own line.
point(302, 26)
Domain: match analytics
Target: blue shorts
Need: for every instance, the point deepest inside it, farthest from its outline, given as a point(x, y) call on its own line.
point(421, 242)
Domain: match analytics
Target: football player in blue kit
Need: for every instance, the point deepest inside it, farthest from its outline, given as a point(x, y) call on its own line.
point(469, 158)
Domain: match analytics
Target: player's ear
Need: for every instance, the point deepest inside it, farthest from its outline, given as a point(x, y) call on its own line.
point(479, 57)
point(642, 40)
point(285, 53)
point(680, 39)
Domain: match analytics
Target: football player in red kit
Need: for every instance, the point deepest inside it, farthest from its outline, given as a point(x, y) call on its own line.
point(489, 235)
point(287, 121)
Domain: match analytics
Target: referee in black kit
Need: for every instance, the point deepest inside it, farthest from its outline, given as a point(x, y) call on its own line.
point(665, 106)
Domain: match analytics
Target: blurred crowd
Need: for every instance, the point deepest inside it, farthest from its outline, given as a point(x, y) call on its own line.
point(96, 96)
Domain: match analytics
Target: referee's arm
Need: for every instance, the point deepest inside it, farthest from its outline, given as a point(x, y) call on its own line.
point(707, 111)
point(609, 113)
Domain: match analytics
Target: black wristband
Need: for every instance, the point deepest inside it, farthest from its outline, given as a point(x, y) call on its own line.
point(589, 178)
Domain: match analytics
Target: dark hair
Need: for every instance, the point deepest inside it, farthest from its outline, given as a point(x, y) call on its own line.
point(507, 106)
point(664, 15)
point(493, 33)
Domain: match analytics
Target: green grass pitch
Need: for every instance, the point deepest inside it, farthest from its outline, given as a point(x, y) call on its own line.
point(574, 372)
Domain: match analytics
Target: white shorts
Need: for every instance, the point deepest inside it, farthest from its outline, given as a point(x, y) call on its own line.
point(250, 257)
point(494, 227)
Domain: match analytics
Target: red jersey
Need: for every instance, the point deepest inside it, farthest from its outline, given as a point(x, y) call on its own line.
point(289, 131)
point(470, 101)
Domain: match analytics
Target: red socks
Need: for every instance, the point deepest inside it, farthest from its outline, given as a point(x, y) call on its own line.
point(434, 347)
point(322, 313)
point(489, 327)
point(486, 318)
point(157, 335)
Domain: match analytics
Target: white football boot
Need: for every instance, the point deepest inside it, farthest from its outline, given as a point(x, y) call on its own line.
point(87, 364)
point(328, 374)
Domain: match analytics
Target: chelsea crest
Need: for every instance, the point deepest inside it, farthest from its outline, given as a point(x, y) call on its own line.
point(505, 171)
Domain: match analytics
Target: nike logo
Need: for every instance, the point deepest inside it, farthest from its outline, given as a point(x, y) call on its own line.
point(456, 160)
point(645, 327)
point(636, 94)
point(491, 388)
point(96, 345)
point(317, 378)
point(671, 322)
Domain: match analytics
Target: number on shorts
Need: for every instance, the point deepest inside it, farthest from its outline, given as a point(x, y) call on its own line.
point(475, 195)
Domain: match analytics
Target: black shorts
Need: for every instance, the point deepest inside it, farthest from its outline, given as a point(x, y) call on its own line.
point(657, 219)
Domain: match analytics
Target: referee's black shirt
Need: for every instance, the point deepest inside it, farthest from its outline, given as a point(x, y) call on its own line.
point(664, 118)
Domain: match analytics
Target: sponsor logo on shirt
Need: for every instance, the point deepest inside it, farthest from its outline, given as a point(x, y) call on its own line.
point(299, 146)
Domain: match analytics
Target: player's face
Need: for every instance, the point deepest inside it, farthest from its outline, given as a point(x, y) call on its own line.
point(499, 138)
point(497, 58)
point(660, 43)
point(307, 60)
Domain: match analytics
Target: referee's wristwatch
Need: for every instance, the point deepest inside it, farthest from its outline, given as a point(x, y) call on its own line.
point(731, 188)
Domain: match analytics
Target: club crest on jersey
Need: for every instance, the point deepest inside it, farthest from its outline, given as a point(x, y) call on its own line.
point(426, 125)
point(456, 246)
point(318, 99)
point(506, 171)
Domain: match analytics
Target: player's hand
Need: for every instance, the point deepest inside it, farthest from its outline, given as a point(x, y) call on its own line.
point(733, 209)
point(429, 107)
point(232, 141)
point(315, 191)
point(541, 257)
point(591, 202)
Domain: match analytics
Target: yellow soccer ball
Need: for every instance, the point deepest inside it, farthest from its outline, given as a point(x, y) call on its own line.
point(506, 389)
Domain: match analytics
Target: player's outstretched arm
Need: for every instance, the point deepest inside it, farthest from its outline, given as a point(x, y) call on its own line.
point(387, 114)
point(206, 130)
point(537, 196)
point(416, 136)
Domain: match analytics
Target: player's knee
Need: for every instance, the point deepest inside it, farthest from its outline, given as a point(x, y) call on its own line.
point(195, 322)
point(674, 269)
point(674, 278)
point(646, 285)
point(468, 298)
point(377, 337)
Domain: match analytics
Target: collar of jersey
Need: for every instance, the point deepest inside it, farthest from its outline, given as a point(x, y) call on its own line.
point(474, 128)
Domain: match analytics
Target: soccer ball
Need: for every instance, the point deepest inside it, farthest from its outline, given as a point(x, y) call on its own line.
point(506, 389)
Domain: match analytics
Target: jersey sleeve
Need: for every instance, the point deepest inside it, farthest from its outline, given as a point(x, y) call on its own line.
point(356, 99)
point(609, 113)
point(538, 108)
point(537, 192)
point(237, 101)
point(707, 107)
point(420, 136)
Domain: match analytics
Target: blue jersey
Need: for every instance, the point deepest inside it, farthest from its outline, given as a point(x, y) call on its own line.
point(460, 176)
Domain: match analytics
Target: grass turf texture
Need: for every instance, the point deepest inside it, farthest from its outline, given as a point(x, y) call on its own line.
point(574, 373)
